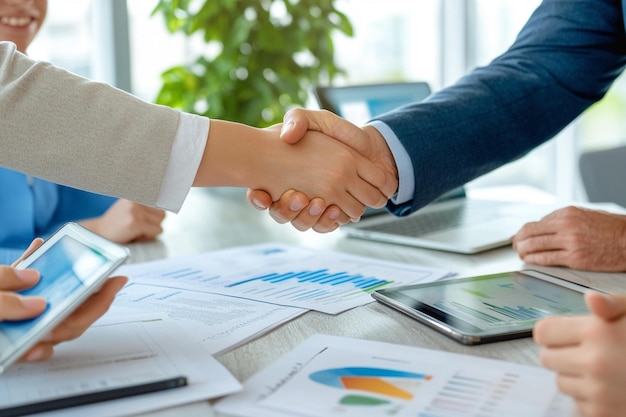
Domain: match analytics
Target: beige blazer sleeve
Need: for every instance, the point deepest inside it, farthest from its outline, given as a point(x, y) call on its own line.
point(88, 135)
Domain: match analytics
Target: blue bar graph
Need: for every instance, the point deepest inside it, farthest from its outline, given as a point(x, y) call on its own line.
point(320, 276)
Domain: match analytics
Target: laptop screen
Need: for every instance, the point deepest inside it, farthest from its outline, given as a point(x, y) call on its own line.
point(360, 103)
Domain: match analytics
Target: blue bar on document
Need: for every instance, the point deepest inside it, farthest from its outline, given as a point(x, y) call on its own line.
point(320, 278)
point(282, 277)
point(313, 275)
point(335, 277)
point(262, 278)
point(343, 281)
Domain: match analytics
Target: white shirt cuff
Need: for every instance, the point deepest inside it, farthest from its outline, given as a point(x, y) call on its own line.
point(406, 176)
point(187, 151)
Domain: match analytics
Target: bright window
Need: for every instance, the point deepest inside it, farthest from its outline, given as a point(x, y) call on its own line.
point(66, 38)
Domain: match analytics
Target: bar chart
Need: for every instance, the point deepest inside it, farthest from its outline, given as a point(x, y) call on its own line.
point(330, 282)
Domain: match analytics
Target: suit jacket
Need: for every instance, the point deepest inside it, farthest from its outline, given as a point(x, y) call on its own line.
point(84, 134)
point(564, 59)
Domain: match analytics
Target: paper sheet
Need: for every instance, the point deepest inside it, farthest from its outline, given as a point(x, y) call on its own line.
point(217, 322)
point(330, 282)
point(110, 355)
point(330, 375)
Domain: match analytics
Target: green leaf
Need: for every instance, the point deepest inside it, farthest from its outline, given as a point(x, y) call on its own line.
point(259, 72)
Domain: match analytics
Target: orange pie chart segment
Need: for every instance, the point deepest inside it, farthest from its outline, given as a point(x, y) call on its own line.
point(376, 386)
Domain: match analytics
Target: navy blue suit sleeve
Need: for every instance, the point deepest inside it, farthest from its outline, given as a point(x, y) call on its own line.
point(564, 60)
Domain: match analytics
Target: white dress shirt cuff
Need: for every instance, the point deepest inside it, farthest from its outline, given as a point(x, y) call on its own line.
point(406, 176)
point(187, 152)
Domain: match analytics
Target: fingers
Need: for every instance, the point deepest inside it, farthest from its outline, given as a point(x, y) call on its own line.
point(564, 360)
point(607, 306)
point(295, 125)
point(78, 322)
point(560, 331)
point(148, 221)
point(297, 121)
point(126, 221)
point(31, 248)
point(548, 258)
point(572, 385)
point(379, 185)
point(296, 208)
point(288, 207)
point(259, 199)
point(374, 162)
point(17, 279)
point(534, 236)
point(90, 311)
point(14, 307)
point(320, 218)
point(39, 352)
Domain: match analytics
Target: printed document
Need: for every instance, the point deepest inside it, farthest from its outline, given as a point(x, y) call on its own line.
point(339, 376)
point(114, 355)
point(326, 281)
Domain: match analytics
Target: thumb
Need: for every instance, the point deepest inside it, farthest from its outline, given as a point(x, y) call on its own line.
point(297, 121)
point(295, 125)
point(606, 306)
point(259, 199)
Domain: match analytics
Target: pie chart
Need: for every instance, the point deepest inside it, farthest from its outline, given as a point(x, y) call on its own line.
point(389, 383)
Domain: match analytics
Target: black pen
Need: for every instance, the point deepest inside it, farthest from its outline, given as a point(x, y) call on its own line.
point(93, 397)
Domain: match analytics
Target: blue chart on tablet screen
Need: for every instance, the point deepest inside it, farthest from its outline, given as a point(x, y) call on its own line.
point(330, 282)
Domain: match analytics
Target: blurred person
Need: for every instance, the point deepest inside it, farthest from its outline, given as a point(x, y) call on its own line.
point(32, 207)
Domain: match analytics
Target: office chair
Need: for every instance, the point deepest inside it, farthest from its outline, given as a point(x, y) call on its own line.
point(604, 175)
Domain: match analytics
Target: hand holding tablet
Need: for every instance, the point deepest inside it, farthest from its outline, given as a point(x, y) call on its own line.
point(487, 308)
point(73, 264)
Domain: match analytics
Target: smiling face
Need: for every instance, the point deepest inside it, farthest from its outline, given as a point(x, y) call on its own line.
point(20, 20)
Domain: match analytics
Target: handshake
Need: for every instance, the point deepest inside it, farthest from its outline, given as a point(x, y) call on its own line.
point(343, 168)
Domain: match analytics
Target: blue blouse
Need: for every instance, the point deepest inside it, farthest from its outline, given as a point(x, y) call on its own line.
point(31, 207)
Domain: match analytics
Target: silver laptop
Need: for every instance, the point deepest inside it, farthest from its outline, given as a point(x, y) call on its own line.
point(454, 222)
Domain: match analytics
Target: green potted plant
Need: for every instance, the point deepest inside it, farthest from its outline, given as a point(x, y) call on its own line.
point(259, 57)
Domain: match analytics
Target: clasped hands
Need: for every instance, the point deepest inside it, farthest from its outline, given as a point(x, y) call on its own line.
point(378, 178)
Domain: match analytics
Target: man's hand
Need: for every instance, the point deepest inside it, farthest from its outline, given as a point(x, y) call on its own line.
point(587, 353)
point(294, 206)
point(576, 238)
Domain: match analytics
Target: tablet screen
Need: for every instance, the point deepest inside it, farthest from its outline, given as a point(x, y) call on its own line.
point(489, 302)
point(67, 266)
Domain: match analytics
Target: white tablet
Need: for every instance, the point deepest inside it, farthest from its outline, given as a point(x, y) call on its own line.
point(73, 264)
point(487, 308)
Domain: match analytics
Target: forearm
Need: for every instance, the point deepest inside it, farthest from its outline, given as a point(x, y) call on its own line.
point(319, 166)
point(563, 61)
point(235, 155)
point(80, 133)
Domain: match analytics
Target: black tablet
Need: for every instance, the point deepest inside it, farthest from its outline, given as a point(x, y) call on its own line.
point(487, 308)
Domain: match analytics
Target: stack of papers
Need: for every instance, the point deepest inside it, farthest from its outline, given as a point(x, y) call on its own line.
point(228, 297)
point(330, 282)
point(176, 313)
